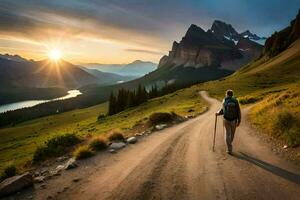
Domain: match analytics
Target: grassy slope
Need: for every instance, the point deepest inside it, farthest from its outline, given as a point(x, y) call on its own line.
point(18, 143)
point(279, 115)
point(261, 77)
point(276, 84)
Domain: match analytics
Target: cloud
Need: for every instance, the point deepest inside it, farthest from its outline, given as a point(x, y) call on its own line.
point(44, 20)
point(134, 25)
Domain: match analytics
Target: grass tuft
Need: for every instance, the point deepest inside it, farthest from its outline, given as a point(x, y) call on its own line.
point(161, 117)
point(9, 171)
point(83, 152)
point(98, 144)
point(116, 136)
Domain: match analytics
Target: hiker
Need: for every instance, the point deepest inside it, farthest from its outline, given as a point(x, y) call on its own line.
point(232, 117)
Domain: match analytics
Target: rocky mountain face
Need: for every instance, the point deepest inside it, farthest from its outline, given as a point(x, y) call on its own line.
point(281, 40)
point(199, 48)
point(216, 47)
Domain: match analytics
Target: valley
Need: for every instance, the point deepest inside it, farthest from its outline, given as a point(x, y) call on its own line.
point(19, 148)
point(114, 100)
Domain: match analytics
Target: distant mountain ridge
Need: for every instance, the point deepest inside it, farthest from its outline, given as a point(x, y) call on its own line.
point(43, 74)
point(32, 80)
point(16, 58)
point(137, 68)
point(106, 78)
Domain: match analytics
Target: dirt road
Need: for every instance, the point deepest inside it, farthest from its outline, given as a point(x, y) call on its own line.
point(177, 163)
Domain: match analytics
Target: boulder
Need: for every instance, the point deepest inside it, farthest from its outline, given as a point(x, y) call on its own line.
point(131, 140)
point(60, 167)
point(71, 164)
point(139, 134)
point(15, 184)
point(112, 151)
point(44, 171)
point(117, 145)
point(160, 126)
point(54, 173)
point(39, 179)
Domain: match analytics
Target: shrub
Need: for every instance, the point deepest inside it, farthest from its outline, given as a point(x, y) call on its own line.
point(101, 117)
point(116, 136)
point(283, 120)
point(83, 152)
point(55, 146)
point(286, 124)
point(9, 171)
point(161, 117)
point(248, 100)
point(292, 136)
point(98, 144)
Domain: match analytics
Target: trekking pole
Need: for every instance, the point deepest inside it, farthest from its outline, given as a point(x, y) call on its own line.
point(214, 141)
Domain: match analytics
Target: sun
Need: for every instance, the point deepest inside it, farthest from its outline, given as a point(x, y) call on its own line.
point(55, 54)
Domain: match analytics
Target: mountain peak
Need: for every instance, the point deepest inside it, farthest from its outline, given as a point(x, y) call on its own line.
point(248, 34)
point(221, 29)
point(194, 30)
point(136, 62)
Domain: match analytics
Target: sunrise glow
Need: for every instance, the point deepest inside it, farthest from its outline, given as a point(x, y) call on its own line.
point(55, 54)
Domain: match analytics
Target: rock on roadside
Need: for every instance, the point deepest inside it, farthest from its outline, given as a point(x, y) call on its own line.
point(131, 140)
point(117, 145)
point(112, 151)
point(160, 126)
point(15, 184)
point(71, 164)
point(39, 179)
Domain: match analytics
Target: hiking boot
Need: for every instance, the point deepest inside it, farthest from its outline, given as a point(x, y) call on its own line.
point(229, 152)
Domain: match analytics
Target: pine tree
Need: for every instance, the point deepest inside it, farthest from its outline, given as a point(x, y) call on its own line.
point(142, 94)
point(131, 99)
point(112, 105)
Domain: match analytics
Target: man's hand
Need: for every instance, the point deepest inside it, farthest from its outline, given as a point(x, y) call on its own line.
point(238, 123)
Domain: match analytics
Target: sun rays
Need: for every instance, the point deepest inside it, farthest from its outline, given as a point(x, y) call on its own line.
point(55, 55)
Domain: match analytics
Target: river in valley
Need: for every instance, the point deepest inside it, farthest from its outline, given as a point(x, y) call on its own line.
point(31, 103)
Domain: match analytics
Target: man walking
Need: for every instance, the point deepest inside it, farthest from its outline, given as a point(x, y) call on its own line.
point(232, 117)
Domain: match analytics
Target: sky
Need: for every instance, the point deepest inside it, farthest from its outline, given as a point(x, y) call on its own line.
point(120, 31)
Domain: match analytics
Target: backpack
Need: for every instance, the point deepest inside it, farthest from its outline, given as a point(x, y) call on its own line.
point(230, 108)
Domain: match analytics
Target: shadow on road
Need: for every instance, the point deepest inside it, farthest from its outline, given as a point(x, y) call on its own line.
point(295, 178)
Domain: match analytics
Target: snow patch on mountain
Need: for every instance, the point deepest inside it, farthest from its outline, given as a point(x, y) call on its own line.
point(229, 38)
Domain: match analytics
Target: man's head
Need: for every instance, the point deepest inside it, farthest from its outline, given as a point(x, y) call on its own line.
point(229, 93)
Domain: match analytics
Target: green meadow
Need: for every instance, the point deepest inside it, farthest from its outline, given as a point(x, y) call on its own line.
point(19, 142)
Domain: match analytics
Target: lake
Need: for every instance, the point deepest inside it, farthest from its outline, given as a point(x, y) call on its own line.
point(31, 103)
